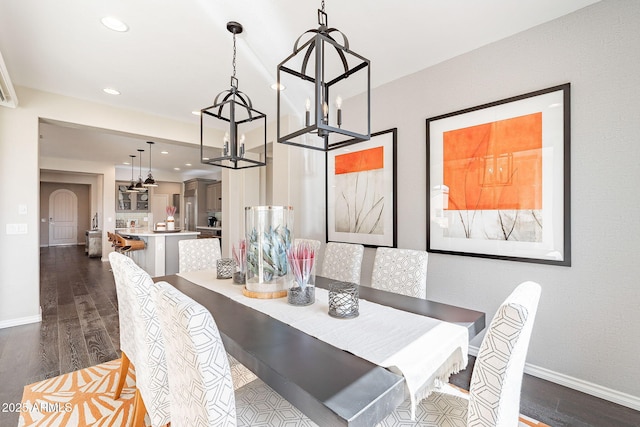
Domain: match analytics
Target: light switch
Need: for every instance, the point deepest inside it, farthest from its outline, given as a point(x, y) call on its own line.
point(16, 228)
point(22, 209)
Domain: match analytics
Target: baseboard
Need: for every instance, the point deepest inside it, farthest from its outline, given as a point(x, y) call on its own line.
point(587, 387)
point(21, 321)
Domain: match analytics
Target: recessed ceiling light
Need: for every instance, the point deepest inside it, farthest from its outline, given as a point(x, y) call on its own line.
point(126, 163)
point(176, 169)
point(114, 24)
point(196, 113)
point(187, 164)
point(205, 158)
point(275, 86)
point(164, 152)
point(111, 91)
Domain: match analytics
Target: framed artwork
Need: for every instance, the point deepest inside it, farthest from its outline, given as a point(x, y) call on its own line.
point(499, 179)
point(361, 192)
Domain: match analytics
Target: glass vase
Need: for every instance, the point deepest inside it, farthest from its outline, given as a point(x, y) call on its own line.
point(268, 236)
point(301, 281)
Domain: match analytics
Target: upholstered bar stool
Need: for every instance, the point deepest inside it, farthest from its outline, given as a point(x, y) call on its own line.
point(343, 262)
point(403, 271)
point(200, 382)
point(198, 254)
point(494, 393)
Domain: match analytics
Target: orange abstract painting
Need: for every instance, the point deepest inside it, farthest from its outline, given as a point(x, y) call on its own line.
point(360, 161)
point(496, 165)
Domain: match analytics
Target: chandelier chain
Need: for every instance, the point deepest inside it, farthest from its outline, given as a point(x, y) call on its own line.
point(322, 5)
point(234, 54)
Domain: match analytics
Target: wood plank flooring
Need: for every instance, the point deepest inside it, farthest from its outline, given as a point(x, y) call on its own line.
point(79, 328)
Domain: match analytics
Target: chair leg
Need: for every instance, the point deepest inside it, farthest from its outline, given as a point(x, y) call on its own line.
point(139, 410)
point(124, 368)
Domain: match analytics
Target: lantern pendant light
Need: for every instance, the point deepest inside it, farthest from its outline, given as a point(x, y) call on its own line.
point(317, 75)
point(150, 182)
point(139, 186)
point(233, 115)
point(131, 188)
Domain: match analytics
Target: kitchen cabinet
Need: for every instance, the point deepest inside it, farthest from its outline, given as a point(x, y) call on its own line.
point(131, 202)
point(214, 197)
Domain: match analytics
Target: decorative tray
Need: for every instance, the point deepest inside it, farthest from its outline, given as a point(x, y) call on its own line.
point(177, 230)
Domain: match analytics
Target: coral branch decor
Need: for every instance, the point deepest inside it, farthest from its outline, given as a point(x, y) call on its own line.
point(171, 223)
point(268, 237)
point(301, 258)
point(240, 257)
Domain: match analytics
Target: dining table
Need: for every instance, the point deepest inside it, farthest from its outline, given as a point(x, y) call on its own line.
point(331, 386)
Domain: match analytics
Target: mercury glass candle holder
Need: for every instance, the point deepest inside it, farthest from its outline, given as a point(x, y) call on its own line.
point(225, 267)
point(343, 300)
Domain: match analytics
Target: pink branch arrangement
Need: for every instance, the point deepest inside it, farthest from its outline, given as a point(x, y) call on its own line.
point(301, 259)
point(171, 210)
point(240, 255)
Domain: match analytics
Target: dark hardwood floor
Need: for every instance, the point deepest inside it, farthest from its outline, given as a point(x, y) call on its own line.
point(79, 328)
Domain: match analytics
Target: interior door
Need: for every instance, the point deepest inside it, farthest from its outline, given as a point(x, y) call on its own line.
point(63, 218)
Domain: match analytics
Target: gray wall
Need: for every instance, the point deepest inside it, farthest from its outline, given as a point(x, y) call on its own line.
point(586, 333)
point(82, 191)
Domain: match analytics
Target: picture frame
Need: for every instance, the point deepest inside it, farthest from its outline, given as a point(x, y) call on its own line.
point(498, 179)
point(361, 192)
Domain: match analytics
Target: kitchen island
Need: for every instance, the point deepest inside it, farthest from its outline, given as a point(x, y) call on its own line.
point(160, 254)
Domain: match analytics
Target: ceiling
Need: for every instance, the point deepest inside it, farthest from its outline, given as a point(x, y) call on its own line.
point(176, 55)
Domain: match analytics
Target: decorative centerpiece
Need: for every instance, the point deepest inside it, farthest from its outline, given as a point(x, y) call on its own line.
point(343, 300)
point(224, 268)
point(302, 274)
point(240, 257)
point(171, 223)
point(268, 236)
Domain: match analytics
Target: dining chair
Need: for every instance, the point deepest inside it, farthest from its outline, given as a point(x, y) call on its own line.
point(314, 244)
point(494, 393)
point(200, 382)
point(403, 271)
point(125, 317)
point(198, 254)
point(343, 261)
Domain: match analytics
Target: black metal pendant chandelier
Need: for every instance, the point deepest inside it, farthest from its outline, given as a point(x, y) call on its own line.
point(240, 121)
point(139, 186)
point(316, 76)
point(150, 182)
point(132, 187)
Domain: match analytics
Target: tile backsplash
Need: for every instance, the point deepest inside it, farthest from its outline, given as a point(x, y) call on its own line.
point(123, 220)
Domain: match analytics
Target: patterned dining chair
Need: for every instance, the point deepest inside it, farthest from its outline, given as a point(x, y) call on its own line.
point(125, 317)
point(314, 244)
point(200, 382)
point(403, 271)
point(343, 261)
point(494, 393)
point(198, 254)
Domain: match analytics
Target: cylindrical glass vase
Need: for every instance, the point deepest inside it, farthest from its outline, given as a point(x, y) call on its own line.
point(269, 233)
point(302, 280)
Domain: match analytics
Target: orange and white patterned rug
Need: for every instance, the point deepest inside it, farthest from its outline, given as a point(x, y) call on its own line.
point(85, 398)
point(80, 398)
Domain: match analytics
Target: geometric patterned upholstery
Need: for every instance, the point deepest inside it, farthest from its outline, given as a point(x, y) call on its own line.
point(125, 309)
point(496, 381)
point(199, 376)
point(198, 254)
point(343, 262)
point(200, 382)
point(403, 271)
point(150, 363)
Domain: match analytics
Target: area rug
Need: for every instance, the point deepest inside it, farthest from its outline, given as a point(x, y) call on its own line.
point(80, 398)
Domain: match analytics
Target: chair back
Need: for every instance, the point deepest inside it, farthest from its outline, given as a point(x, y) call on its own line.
point(314, 244)
point(150, 363)
point(198, 254)
point(403, 271)
point(343, 262)
point(494, 393)
point(125, 301)
point(200, 381)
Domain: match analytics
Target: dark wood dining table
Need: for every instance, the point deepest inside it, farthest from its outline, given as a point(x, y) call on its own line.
point(331, 386)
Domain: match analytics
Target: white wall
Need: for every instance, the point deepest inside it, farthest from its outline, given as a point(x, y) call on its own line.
point(587, 322)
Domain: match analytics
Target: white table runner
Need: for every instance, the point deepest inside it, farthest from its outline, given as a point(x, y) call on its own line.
point(424, 350)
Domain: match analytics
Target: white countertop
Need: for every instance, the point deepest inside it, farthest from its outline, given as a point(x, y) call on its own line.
point(209, 228)
point(143, 232)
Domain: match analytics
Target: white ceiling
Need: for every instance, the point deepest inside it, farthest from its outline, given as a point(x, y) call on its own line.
point(176, 55)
